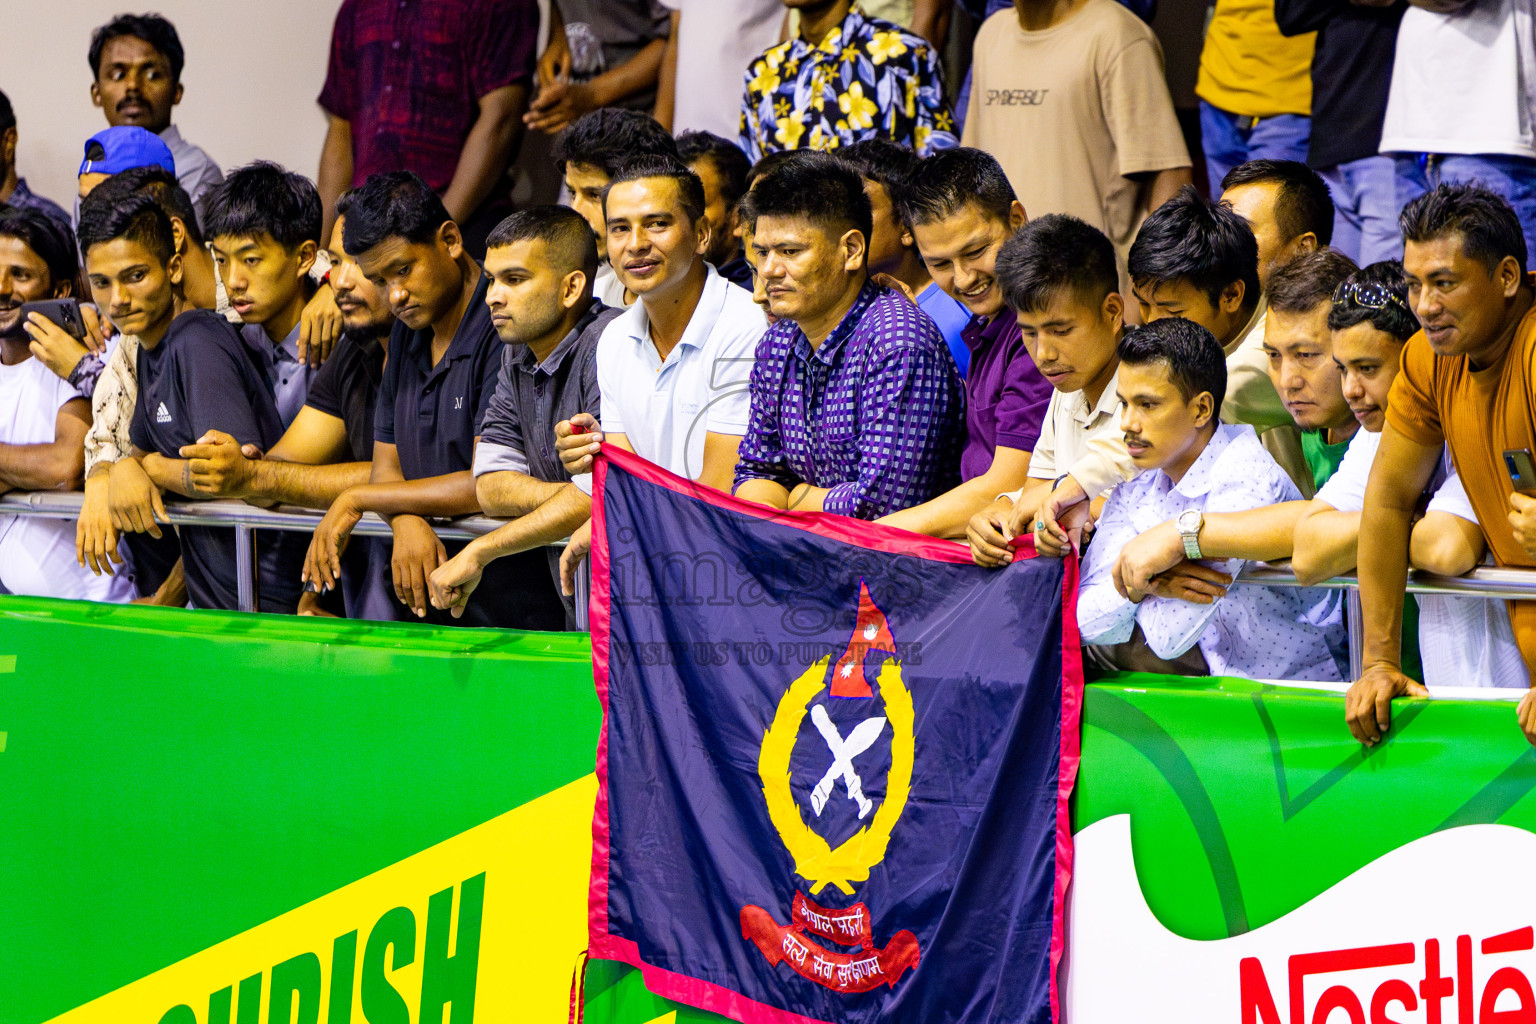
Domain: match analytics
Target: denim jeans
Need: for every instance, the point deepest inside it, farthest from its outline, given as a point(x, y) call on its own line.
point(1229, 140)
point(1513, 177)
point(1365, 209)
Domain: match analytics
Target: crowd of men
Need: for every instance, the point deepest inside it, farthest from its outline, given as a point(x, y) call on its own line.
point(833, 306)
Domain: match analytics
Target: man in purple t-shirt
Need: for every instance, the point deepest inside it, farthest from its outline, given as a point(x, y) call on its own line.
point(961, 210)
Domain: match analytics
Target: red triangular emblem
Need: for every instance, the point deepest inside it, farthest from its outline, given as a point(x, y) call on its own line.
point(870, 633)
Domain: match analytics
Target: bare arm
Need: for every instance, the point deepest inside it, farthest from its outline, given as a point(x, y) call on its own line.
point(764, 492)
point(1446, 544)
point(1258, 535)
point(1326, 543)
point(720, 454)
point(58, 465)
point(507, 494)
point(930, 19)
point(1398, 476)
point(335, 169)
point(1163, 185)
point(948, 514)
point(562, 102)
point(666, 82)
point(552, 520)
point(487, 150)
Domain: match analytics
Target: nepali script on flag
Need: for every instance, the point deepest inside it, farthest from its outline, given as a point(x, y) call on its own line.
point(835, 761)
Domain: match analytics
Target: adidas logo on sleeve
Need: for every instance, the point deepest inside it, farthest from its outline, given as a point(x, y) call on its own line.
point(162, 414)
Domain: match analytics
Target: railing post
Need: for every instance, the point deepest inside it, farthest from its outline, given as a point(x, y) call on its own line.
point(1355, 618)
point(245, 568)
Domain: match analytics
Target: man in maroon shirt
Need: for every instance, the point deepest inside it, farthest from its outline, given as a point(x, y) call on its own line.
point(961, 210)
point(437, 87)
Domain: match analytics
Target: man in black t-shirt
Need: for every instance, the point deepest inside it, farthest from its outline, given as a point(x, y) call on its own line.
point(329, 446)
point(195, 375)
point(443, 358)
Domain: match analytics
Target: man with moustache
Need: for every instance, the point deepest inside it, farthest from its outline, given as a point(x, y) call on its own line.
point(329, 446)
point(1172, 379)
point(437, 384)
point(136, 62)
point(541, 263)
point(1298, 347)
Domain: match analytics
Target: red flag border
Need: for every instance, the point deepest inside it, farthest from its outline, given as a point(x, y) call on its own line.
point(870, 536)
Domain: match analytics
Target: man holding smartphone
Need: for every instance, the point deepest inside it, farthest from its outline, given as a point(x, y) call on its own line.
point(42, 419)
point(1466, 382)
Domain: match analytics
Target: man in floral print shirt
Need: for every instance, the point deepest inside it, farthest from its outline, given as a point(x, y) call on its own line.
point(846, 77)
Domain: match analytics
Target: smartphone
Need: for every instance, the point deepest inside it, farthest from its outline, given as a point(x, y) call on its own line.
point(1522, 470)
point(65, 313)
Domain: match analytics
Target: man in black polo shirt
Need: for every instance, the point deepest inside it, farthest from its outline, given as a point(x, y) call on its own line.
point(438, 381)
point(329, 446)
point(195, 375)
point(541, 264)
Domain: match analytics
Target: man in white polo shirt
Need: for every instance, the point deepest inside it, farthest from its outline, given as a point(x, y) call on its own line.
point(680, 358)
point(43, 419)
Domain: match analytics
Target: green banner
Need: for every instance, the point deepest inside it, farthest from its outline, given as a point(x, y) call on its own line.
point(172, 780)
point(234, 819)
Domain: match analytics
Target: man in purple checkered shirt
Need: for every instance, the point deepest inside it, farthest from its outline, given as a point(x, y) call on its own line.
point(857, 407)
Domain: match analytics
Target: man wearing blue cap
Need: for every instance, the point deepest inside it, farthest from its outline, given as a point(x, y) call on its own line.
point(136, 62)
point(115, 150)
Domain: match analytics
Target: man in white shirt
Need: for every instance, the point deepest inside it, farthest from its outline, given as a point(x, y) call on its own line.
point(1171, 379)
point(588, 155)
point(43, 419)
point(680, 358)
point(1462, 106)
point(1059, 278)
point(1371, 321)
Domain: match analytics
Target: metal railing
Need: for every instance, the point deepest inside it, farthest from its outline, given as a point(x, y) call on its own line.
point(244, 519)
point(1486, 582)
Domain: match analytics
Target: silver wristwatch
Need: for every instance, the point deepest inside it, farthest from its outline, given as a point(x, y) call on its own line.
point(1189, 523)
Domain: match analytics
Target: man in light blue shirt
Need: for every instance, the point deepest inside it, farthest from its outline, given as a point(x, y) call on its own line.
point(1172, 378)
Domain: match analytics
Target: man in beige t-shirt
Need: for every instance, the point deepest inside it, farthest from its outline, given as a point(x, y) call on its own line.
point(1073, 102)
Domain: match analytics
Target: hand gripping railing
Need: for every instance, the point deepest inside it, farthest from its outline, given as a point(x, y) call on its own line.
point(242, 518)
point(1486, 582)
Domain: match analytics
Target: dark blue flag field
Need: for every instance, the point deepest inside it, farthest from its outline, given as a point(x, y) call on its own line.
point(835, 761)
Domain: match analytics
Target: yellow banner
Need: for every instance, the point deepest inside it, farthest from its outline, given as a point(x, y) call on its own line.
point(400, 945)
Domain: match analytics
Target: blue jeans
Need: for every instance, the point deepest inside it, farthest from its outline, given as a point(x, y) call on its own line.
point(1513, 177)
point(1365, 209)
point(1229, 140)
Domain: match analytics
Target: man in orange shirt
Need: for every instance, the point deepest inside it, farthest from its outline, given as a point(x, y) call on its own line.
point(1468, 381)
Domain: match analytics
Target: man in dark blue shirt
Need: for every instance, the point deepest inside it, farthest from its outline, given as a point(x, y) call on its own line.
point(540, 263)
point(194, 375)
point(438, 380)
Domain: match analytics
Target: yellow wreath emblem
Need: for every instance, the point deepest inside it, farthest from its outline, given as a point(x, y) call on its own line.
point(815, 860)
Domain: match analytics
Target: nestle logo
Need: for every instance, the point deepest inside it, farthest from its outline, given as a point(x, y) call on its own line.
point(1432, 987)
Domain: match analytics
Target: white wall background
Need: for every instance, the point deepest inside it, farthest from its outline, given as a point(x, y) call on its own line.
point(254, 68)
